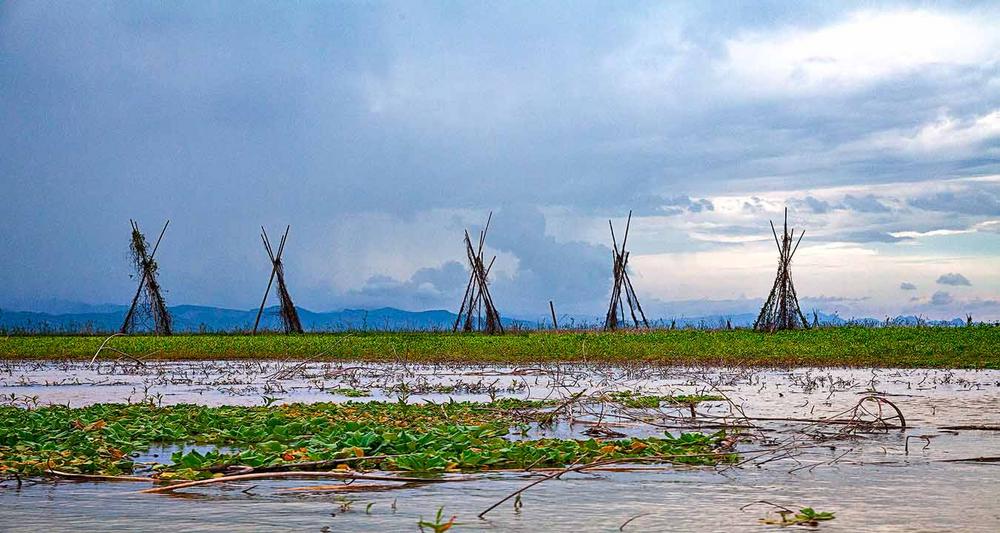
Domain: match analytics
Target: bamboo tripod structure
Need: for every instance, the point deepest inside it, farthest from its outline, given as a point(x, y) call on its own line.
point(781, 309)
point(477, 299)
point(148, 289)
point(622, 284)
point(289, 315)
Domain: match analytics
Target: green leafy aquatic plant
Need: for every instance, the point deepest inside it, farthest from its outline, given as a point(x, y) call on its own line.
point(438, 525)
point(806, 516)
point(350, 392)
point(651, 401)
point(453, 436)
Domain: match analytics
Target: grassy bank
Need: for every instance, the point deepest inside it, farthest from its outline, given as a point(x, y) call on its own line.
point(972, 347)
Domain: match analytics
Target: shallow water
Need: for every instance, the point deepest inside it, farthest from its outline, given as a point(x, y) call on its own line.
point(892, 480)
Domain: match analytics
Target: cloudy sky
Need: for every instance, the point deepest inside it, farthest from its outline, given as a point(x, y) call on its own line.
point(380, 130)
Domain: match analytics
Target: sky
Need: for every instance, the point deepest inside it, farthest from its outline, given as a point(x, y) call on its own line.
point(381, 130)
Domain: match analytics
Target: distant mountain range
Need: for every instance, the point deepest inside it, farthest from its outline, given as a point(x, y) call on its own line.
point(194, 318)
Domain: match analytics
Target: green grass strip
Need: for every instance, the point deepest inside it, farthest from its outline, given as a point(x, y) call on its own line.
point(926, 347)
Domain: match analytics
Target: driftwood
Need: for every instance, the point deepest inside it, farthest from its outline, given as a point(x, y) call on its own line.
point(289, 467)
point(344, 487)
point(303, 474)
point(94, 477)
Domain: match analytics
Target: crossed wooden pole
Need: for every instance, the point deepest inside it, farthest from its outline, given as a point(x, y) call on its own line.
point(781, 309)
point(146, 263)
point(289, 316)
point(477, 298)
point(622, 283)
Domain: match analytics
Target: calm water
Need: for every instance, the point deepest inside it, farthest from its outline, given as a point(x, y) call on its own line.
point(874, 484)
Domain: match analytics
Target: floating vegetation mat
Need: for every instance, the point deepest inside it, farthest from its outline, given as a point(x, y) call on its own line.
point(105, 439)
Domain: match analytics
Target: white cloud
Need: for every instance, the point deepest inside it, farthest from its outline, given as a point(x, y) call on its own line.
point(931, 233)
point(729, 252)
point(988, 226)
point(945, 135)
point(865, 47)
point(845, 270)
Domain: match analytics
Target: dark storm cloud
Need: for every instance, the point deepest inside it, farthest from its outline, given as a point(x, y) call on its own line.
point(954, 279)
point(941, 298)
point(677, 205)
point(650, 205)
point(754, 205)
point(816, 205)
point(225, 115)
point(973, 201)
point(427, 288)
point(575, 275)
point(865, 204)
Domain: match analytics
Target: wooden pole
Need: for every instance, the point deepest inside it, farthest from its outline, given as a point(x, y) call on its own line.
point(145, 273)
point(477, 296)
point(274, 269)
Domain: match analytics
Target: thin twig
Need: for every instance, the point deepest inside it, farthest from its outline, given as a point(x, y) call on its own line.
point(98, 352)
